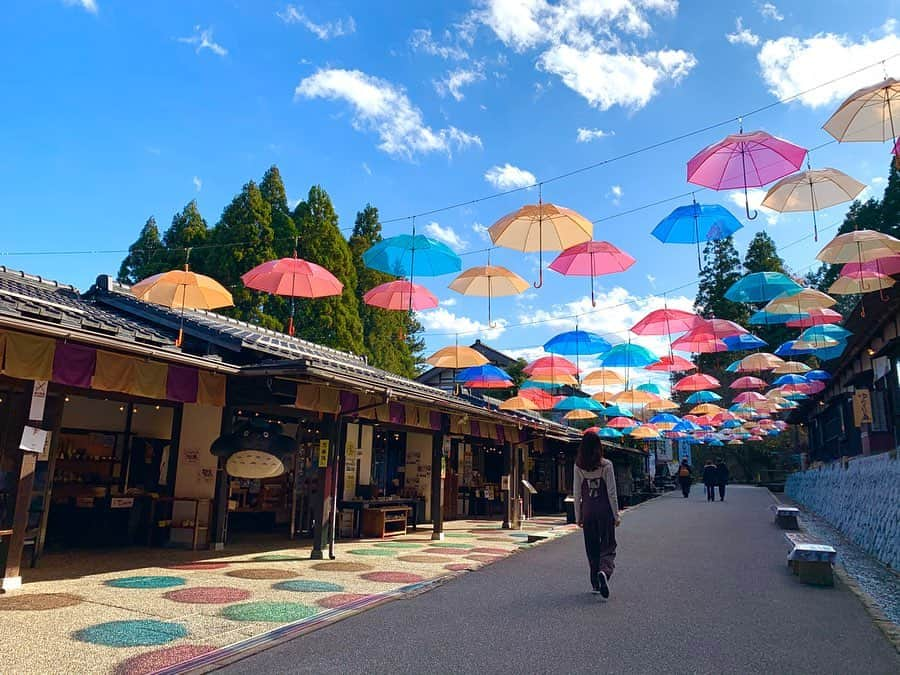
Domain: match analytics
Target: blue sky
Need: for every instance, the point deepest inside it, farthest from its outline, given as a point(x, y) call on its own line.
point(114, 111)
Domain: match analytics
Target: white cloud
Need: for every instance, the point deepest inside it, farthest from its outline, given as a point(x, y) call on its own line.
point(741, 35)
point(384, 108)
point(509, 177)
point(588, 135)
point(878, 180)
point(323, 31)
point(481, 231)
point(441, 320)
point(447, 235)
point(754, 199)
point(889, 26)
point(86, 5)
point(455, 80)
point(793, 65)
point(198, 184)
point(615, 194)
point(203, 39)
point(365, 167)
point(651, 280)
point(770, 11)
point(606, 79)
point(421, 40)
point(449, 302)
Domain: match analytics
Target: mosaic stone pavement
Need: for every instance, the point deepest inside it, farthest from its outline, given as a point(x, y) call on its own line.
point(135, 611)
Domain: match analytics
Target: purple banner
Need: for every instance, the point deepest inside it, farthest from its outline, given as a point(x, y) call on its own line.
point(349, 401)
point(74, 365)
point(182, 384)
point(397, 413)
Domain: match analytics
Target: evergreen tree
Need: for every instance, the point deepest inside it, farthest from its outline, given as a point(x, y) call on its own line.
point(284, 231)
point(721, 269)
point(762, 255)
point(890, 204)
point(145, 256)
point(335, 321)
point(187, 231)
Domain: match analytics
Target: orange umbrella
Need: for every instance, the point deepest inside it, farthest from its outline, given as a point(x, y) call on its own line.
point(759, 362)
point(488, 281)
point(456, 358)
point(579, 414)
point(602, 377)
point(518, 403)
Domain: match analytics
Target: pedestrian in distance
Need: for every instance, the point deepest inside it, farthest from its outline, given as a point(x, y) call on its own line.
point(596, 509)
point(721, 477)
point(684, 478)
point(710, 479)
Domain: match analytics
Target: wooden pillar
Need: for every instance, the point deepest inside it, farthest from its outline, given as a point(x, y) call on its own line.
point(326, 472)
point(437, 480)
point(510, 485)
point(220, 517)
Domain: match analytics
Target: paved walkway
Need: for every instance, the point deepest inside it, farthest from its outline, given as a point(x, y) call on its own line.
point(699, 588)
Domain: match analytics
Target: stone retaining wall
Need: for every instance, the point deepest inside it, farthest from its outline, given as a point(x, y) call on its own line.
point(862, 501)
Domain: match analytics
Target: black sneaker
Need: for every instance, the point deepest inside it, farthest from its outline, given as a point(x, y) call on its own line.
point(604, 585)
point(595, 584)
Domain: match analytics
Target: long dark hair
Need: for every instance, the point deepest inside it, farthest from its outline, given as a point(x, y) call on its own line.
point(590, 452)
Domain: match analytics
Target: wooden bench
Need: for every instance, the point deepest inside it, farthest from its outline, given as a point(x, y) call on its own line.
point(810, 559)
point(384, 521)
point(786, 517)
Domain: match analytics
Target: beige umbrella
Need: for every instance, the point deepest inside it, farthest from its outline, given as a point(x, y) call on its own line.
point(869, 114)
point(518, 403)
point(860, 283)
point(602, 378)
point(811, 191)
point(662, 405)
point(791, 368)
point(456, 357)
point(489, 281)
point(808, 298)
point(758, 362)
point(541, 227)
point(580, 415)
point(635, 397)
point(603, 396)
point(859, 246)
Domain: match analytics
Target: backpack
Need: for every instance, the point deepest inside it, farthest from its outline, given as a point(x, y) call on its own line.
point(684, 472)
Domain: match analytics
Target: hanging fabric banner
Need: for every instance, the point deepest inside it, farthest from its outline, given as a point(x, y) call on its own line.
point(73, 365)
point(182, 384)
point(28, 357)
point(113, 372)
point(211, 389)
point(149, 380)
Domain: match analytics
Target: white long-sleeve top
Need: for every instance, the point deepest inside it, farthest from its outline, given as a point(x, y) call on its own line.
point(608, 474)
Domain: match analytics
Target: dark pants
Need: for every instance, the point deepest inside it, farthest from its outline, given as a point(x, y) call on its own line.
point(710, 493)
point(722, 491)
point(600, 545)
point(685, 486)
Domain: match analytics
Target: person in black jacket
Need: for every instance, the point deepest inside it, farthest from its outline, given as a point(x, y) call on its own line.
point(721, 478)
point(710, 478)
point(684, 478)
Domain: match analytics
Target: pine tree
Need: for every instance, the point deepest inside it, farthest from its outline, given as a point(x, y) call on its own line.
point(284, 231)
point(721, 269)
point(890, 204)
point(187, 231)
point(145, 257)
point(334, 321)
point(762, 255)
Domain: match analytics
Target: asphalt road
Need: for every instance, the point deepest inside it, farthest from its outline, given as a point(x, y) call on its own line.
point(699, 588)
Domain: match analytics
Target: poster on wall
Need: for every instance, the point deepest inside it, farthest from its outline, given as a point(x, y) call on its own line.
point(862, 407)
point(684, 451)
point(324, 446)
point(664, 451)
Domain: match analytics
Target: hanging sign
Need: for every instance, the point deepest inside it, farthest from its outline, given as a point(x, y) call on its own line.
point(35, 440)
point(862, 407)
point(38, 399)
point(324, 446)
point(684, 451)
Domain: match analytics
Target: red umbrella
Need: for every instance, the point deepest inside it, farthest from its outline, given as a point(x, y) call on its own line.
point(672, 364)
point(666, 322)
point(818, 316)
point(542, 399)
point(749, 382)
point(749, 397)
point(592, 259)
point(401, 295)
point(698, 341)
point(723, 328)
point(295, 278)
point(551, 365)
point(622, 423)
point(697, 382)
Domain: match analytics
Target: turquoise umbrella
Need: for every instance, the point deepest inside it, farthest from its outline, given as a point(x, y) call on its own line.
point(826, 330)
point(651, 387)
point(580, 403)
point(761, 287)
point(627, 355)
point(763, 318)
point(412, 256)
point(607, 432)
point(703, 397)
point(618, 411)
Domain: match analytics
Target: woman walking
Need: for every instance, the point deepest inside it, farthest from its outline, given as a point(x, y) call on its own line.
point(722, 472)
point(710, 478)
point(684, 478)
point(596, 509)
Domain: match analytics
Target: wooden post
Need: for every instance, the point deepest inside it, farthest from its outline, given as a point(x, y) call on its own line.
point(437, 480)
point(220, 517)
point(325, 472)
point(508, 493)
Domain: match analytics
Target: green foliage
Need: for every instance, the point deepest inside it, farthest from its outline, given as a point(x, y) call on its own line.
point(146, 256)
point(517, 372)
point(721, 268)
point(187, 231)
point(762, 255)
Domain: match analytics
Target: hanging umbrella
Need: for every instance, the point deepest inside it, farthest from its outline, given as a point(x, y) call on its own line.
point(456, 358)
point(412, 256)
point(733, 366)
point(651, 387)
point(797, 303)
point(762, 318)
point(696, 223)
point(294, 278)
point(592, 430)
point(859, 246)
point(748, 382)
point(580, 414)
point(487, 376)
point(553, 364)
point(698, 341)
point(817, 317)
point(592, 259)
point(815, 342)
point(603, 396)
point(703, 396)
point(618, 411)
point(576, 342)
point(665, 322)
point(602, 377)
point(722, 328)
point(829, 330)
point(489, 281)
point(818, 375)
point(706, 409)
point(665, 421)
point(578, 403)
point(742, 343)
point(541, 227)
point(697, 382)
point(889, 265)
point(761, 287)
point(790, 348)
point(518, 403)
point(553, 378)
point(634, 398)
point(400, 295)
point(627, 355)
point(749, 397)
point(759, 362)
point(620, 423)
point(791, 368)
point(831, 352)
point(743, 161)
point(607, 432)
point(662, 405)
point(672, 364)
point(184, 289)
point(812, 191)
point(859, 283)
point(790, 378)
point(486, 383)
point(868, 114)
point(540, 398)
point(644, 432)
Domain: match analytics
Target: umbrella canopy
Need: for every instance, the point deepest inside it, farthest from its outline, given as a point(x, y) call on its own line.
point(790, 348)
point(518, 403)
point(580, 414)
point(650, 387)
point(577, 342)
point(592, 259)
point(634, 397)
point(744, 160)
point(812, 191)
point(400, 295)
point(733, 366)
point(827, 330)
point(485, 374)
point(859, 283)
point(618, 411)
point(540, 398)
point(456, 358)
point(293, 277)
point(553, 364)
point(703, 396)
point(761, 287)
point(412, 256)
point(491, 281)
point(184, 289)
point(814, 342)
point(762, 318)
point(889, 265)
point(790, 378)
point(818, 375)
point(749, 382)
point(602, 377)
point(486, 383)
point(603, 396)
point(541, 227)
point(859, 246)
point(627, 355)
point(553, 378)
point(817, 317)
point(791, 367)
point(759, 362)
point(666, 322)
point(706, 409)
point(700, 341)
point(867, 114)
point(749, 397)
point(665, 421)
point(672, 364)
point(644, 432)
point(746, 342)
point(808, 298)
point(696, 223)
point(722, 328)
point(620, 423)
point(607, 432)
point(578, 403)
point(697, 382)
point(662, 404)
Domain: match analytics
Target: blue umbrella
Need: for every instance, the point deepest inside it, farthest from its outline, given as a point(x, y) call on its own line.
point(580, 403)
point(761, 287)
point(703, 397)
point(731, 424)
point(651, 387)
point(830, 353)
point(665, 418)
point(763, 318)
point(576, 342)
point(743, 342)
point(694, 223)
point(715, 442)
point(627, 355)
point(818, 375)
point(790, 379)
point(733, 366)
point(607, 432)
point(787, 349)
point(485, 372)
point(412, 256)
point(618, 411)
point(772, 432)
point(828, 330)
point(685, 426)
point(531, 384)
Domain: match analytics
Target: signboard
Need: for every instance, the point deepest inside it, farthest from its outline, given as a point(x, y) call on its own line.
point(324, 446)
point(504, 483)
point(862, 407)
point(664, 451)
point(684, 451)
point(445, 446)
point(35, 440)
point(651, 465)
point(121, 502)
point(38, 399)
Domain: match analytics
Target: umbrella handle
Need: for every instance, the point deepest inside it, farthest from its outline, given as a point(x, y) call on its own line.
point(747, 206)
point(540, 281)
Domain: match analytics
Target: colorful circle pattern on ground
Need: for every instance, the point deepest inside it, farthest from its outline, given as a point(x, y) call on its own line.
point(146, 582)
point(431, 559)
point(397, 544)
point(150, 662)
point(339, 600)
point(446, 551)
point(451, 544)
point(262, 573)
point(37, 602)
point(132, 633)
point(307, 586)
point(276, 557)
point(484, 558)
point(372, 551)
point(341, 567)
point(392, 577)
point(274, 612)
point(458, 535)
point(491, 551)
point(198, 566)
point(208, 595)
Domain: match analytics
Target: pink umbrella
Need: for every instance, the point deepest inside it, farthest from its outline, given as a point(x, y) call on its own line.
point(816, 386)
point(542, 399)
point(743, 161)
point(698, 341)
point(592, 259)
point(697, 382)
point(672, 364)
point(401, 295)
point(817, 317)
point(748, 382)
point(749, 397)
point(622, 423)
point(295, 278)
point(889, 266)
point(723, 328)
point(666, 322)
point(551, 365)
